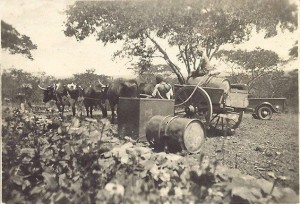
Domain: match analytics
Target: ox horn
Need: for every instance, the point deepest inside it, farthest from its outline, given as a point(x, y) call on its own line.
point(41, 87)
point(101, 83)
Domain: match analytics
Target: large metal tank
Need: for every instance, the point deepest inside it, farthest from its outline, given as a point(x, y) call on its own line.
point(134, 113)
point(212, 82)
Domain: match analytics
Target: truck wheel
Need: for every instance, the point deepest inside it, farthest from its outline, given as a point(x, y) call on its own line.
point(265, 113)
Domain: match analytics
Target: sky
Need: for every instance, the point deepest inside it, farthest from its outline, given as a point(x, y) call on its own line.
point(61, 56)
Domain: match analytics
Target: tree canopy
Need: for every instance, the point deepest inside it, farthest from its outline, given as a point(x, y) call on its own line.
point(17, 81)
point(148, 75)
point(254, 64)
point(89, 77)
point(293, 52)
point(12, 40)
point(143, 26)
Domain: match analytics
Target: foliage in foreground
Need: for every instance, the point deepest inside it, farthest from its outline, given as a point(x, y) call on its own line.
point(49, 161)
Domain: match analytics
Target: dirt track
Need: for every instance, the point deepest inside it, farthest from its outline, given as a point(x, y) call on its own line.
point(259, 147)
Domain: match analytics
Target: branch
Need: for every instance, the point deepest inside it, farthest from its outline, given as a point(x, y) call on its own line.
point(208, 51)
point(214, 52)
point(169, 62)
point(208, 48)
point(257, 77)
point(194, 57)
point(180, 51)
point(262, 70)
point(187, 58)
point(158, 56)
point(272, 86)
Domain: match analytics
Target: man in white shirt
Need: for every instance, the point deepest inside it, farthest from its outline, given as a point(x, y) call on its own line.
point(162, 89)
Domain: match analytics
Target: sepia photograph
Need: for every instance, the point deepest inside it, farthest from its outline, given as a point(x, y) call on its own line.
point(149, 101)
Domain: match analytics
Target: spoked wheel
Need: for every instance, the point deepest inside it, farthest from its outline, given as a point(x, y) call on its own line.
point(226, 123)
point(193, 102)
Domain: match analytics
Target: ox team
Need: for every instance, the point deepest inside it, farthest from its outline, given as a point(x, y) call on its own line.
point(92, 96)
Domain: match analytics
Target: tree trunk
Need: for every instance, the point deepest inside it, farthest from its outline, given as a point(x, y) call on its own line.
point(169, 62)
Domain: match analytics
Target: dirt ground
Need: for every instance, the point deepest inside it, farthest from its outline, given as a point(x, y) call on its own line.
point(260, 147)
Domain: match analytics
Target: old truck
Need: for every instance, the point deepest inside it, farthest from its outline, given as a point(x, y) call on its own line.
point(263, 108)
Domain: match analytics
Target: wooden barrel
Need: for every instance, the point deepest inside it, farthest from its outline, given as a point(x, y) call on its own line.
point(211, 81)
point(175, 133)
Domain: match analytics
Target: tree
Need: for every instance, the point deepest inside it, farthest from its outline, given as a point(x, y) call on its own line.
point(294, 50)
point(89, 78)
point(16, 82)
point(253, 64)
point(272, 85)
point(148, 75)
point(292, 88)
point(12, 40)
point(142, 26)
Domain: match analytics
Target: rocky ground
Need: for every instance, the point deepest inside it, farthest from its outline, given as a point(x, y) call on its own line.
point(261, 148)
point(258, 148)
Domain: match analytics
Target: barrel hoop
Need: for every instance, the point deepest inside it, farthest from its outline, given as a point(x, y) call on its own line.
point(159, 127)
point(167, 126)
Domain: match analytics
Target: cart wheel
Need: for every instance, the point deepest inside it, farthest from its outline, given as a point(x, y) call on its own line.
point(264, 113)
point(226, 123)
point(193, 102)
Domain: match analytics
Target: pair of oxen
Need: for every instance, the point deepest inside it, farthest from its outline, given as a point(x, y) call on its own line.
point(92, 96)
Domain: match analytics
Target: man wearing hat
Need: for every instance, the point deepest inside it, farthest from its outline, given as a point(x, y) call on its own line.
point(162, 89)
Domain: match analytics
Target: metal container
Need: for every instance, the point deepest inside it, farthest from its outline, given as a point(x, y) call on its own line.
point(176, 133)
point(237, 98)
point(134, 113)
point(212, 82)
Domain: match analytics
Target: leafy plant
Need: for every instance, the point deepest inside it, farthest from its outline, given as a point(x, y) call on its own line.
point(81, 161)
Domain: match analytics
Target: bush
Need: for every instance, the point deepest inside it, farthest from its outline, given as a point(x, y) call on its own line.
point(46, 160)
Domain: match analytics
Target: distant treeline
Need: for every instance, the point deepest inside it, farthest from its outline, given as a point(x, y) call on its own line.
point(18, 85)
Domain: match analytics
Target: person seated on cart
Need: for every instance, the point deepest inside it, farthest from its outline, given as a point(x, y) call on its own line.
point(204, 72)
point(162, 89)
point(204, 67)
